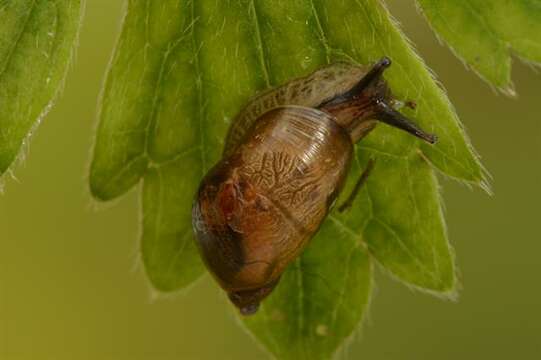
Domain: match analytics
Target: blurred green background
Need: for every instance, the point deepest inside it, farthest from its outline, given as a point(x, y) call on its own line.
point(71, 286)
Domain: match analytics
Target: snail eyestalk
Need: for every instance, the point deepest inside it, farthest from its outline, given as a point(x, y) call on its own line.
point(371, 78)
point(391, 117)
point(368, 80)
point(368, 101)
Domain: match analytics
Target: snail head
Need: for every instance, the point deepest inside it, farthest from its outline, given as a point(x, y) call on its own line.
point(369, 101)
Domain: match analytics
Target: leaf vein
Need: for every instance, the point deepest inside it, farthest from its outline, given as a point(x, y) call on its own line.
point(259, 43)
point(321, 31)
point(406, 249)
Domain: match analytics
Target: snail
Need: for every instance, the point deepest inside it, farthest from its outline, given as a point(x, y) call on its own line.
point(286, 158)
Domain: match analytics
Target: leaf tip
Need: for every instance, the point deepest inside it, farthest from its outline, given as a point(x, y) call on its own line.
point(509, 90)
point(161, 287)
point(98, 192)
point(108, 182)
point(486, 186)
point(483, 178)
point(445, 290)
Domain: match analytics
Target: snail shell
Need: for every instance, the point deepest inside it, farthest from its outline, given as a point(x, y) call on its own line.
point(257, 209)
point(286, 158)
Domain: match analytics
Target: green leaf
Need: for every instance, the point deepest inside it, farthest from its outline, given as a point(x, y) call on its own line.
point(37, 40)
point(485, 34)
point(180, 73)
point(168, 249)
point(405, 229)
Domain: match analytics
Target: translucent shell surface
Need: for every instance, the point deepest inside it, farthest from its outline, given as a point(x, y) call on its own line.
point(258, 208)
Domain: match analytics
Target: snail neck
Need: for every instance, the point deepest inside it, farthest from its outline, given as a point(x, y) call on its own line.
point(356, 113)
point(360, 108)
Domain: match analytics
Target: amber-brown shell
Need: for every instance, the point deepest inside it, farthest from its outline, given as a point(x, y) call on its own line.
point(257, 208)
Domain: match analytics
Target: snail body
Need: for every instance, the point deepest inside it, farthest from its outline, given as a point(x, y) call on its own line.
point(286, 158)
